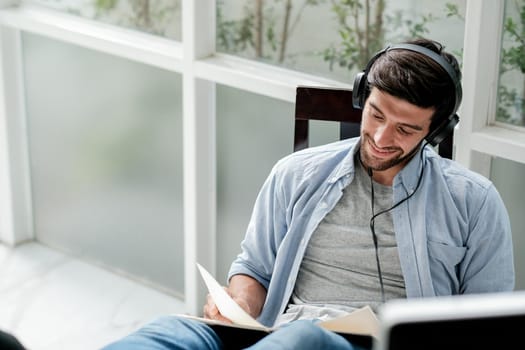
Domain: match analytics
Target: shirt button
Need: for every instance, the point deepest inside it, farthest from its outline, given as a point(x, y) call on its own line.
point(323, 205)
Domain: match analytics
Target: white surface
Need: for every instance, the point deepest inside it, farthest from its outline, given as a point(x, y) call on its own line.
point(49, 300)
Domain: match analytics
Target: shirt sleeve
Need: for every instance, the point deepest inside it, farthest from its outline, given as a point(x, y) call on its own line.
point(265, 231)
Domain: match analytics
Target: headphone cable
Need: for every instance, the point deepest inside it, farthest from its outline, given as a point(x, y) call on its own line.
point(374, 215)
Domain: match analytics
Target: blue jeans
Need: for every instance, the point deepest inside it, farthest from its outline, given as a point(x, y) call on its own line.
point(178, 333)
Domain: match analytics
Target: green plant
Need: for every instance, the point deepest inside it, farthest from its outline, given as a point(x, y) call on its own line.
point(146, 15)
point(511, 104)
point(256, 33)
point(361, 32)
point(364, 27)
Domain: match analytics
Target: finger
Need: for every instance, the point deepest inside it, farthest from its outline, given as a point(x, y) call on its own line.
point(221, 318)
point(213, 313)
point(210, 310)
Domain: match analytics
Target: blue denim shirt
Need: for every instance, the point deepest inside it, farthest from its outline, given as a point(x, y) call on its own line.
point(453, 234)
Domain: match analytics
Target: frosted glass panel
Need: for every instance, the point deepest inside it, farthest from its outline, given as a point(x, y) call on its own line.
point(508, 178)
point(106, 159)
point(253, 132)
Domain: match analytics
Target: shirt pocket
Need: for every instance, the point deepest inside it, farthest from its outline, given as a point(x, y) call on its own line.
point(444, 260)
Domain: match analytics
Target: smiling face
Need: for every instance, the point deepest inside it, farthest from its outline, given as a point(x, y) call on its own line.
point(391, 131)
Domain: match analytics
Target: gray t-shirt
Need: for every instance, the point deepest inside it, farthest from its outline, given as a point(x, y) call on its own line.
point(339, 271)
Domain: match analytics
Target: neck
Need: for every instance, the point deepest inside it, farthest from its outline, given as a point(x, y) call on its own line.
point(384, 177)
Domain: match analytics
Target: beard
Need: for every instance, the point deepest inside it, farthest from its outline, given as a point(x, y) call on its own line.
point(379, 164)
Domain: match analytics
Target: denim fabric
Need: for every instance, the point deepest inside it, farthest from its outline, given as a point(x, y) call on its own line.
point(304, 335)
point(175, 333)
point(170, 333)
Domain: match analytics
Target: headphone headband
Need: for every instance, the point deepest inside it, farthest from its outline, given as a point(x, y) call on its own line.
point(359, 93)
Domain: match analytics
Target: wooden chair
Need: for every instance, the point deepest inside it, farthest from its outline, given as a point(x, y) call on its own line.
point(335, 104)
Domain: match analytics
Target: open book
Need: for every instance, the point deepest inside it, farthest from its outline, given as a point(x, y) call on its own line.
point(359, 326)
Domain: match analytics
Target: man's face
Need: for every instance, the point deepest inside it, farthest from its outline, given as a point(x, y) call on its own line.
point(391, 129)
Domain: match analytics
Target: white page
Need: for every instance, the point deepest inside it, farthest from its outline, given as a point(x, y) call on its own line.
point(226, 305)
point(361, 321)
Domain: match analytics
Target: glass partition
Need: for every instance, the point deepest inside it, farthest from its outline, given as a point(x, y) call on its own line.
point(253, 132)
point(105, 146)
point(508, 178)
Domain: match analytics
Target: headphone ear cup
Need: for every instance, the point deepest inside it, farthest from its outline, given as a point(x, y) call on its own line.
point(443, 130)
point(359, 91)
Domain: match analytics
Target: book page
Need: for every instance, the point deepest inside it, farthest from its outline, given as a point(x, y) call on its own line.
point(226, 305)
point(361, 321)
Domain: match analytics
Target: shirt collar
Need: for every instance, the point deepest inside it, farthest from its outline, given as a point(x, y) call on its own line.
point(409, 175)
point(347, 166)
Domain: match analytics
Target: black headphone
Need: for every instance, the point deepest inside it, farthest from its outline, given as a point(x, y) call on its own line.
point(434, 137)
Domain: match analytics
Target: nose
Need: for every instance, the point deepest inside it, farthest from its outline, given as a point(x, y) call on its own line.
point(384, 136)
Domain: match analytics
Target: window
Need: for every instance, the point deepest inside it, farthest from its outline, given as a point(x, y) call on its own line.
point(105, 152)
point(330, 38)
point(511, 90)
point(159, 17)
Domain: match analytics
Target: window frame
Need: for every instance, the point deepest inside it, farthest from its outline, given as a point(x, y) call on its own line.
point(479, 137)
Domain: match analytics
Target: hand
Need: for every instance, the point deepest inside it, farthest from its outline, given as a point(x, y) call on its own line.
point(245, 291)
point(211, 311)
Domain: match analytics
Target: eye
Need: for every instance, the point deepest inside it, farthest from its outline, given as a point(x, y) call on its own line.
point(377, 116)
point(404, 131)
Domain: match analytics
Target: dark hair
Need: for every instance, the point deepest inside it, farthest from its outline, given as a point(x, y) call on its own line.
point(418, 79)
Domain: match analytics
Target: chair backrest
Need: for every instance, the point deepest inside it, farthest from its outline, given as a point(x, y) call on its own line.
point(335, 104)
point(328, 104)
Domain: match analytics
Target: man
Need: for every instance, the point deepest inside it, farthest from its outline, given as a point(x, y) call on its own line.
point(362, 221)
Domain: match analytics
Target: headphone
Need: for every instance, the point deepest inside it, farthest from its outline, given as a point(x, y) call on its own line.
point(434, 137)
